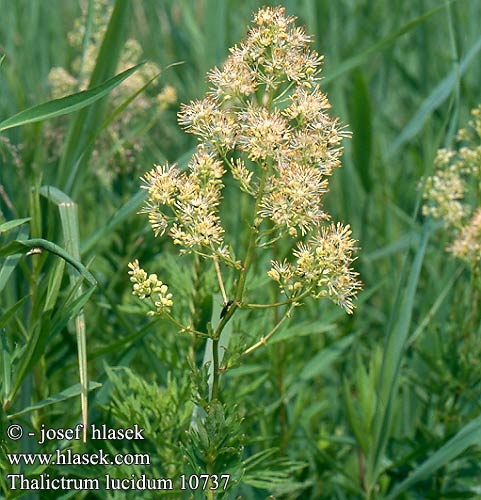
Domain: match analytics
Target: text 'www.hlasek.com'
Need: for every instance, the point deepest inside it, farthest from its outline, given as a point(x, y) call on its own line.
point(64, 455)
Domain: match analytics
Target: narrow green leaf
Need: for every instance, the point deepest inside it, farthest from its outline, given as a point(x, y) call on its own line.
point(69, 393)
point(402, 243)
point(55, 195)
point(129, 209)
point(65, 105)
point(390, 371)
point(41, 332)
point(7, 315)
point(217, 304)
point(6, 359)
point(25, 246)
point(361, 124)
point(70, 228)
point(11, 224)
point(366, 55)
point(435, 99)
point(85, 125)
point(54, 284)
point(55, 277)
point(355, 423)
point(86, 38)
point(304, 328)
point(435, 307)
point(324, 359)
point(469, 435)
point(12, 261)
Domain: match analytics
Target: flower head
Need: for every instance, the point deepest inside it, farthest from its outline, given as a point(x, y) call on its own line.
point(149, 286)
point(265, 123)
point(322, 267)
point(452, 193)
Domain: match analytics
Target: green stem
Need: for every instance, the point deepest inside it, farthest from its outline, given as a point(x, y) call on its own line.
point(248, 258)
point(240, 287)
point(210, 472)
point(215, 368)
point(263, 340)
point(182, 327)
point(265, 306)
point(291, 300)
point(252, 239)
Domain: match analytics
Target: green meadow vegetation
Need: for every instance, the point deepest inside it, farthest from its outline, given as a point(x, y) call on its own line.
point(246, 380)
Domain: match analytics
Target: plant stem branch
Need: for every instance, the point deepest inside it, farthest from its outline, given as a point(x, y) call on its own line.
point(182, 327)
point(221, 282)
point(248, 258)
point(263, 340)
point(277, 304)
point(215, 368)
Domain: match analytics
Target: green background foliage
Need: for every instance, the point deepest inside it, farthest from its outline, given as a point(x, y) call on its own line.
point(381, 405)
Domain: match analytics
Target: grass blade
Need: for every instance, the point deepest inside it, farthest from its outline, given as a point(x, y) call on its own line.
point(70, 228)
point(7, 315)
point(435, 99)
point(65, 105)
point(326, 357)
point(26, 246)
point(390, 371)
point(6, 359)
point(361, 123)
point(64, 395)
point(12, 260)
point(80, 131)
point(469, 435)
point(11, 224)
point(362, 57)
point(41, 333)
point(129, 209)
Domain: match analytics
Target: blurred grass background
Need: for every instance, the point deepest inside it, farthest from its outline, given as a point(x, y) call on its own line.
point(403, 76)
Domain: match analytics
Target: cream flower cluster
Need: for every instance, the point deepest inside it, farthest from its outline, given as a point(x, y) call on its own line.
point(118, 137)
point(322, 267)
point(62, 82)
point(452, 193)
point(264, 121)
point(150, 287)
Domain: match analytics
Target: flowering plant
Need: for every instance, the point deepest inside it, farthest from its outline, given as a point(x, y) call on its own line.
point(263, 127)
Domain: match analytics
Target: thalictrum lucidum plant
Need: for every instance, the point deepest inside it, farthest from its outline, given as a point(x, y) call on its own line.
point(263, 126)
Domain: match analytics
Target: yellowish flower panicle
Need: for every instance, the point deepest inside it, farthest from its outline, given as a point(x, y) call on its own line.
point(452, 193)
point(150, 287)
point(322, 267)
point(162, 183)
point(445, 191)
point(467, 245)
point(265, 122)
point(242, 175)
point(293, 196)
point(206, 120)
point(193, 199)
point(266, 103)
point(263, 134)
point(236, 79)
point(166, 97)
